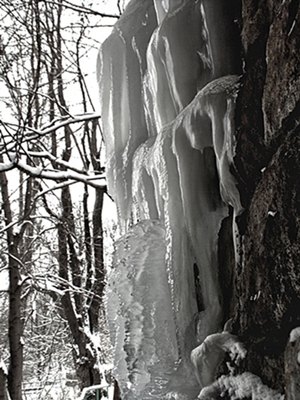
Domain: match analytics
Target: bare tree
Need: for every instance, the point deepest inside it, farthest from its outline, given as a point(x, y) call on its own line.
point(52, 144)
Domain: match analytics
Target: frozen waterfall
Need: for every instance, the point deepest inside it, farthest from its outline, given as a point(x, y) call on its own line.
point(168, 83)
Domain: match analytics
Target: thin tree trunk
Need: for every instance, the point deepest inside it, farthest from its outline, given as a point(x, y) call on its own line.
point(98, 288)
point(15, 372)
point(3, 395)
point(117, 393)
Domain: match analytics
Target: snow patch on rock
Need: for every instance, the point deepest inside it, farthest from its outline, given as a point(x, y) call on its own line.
point(294, 335)
point(239, 387)
point(207, 357)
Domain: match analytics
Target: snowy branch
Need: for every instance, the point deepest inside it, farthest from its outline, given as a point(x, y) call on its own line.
point(31, 134)
point(72, 120)
point(42, 173)
point(51, 157)
point(4, 167)
point(66, 174)
point(90, 388)
point(75, 7)
point(58, 123)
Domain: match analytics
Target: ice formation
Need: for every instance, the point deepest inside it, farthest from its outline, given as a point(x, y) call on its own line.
point(294, 335)
point(168, 82)
point(207, 357)
point(292, 365)
point(244, 386)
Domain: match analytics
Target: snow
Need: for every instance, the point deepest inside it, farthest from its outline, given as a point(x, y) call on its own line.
point(3, 367)
point(6, 166)
point(167, 91)
point(294, 335)
point(238, 387)
point(91, 388)
point(207, 357)
point(58, 175)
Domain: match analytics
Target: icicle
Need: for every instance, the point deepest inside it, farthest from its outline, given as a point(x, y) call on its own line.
point(167, 113)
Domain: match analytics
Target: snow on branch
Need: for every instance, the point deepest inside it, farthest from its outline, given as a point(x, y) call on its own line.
point(54, 175)
point(51, 157)
point(45, 130)
point(4, 167)
point(31, 133)
point(69, 173)
point(86, 390)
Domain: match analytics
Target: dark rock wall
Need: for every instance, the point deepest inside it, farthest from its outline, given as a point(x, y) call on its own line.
point(267, 280)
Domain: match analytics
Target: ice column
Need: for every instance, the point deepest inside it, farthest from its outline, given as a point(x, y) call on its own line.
point(168, 84)
point(120, 69)
point(140, 313)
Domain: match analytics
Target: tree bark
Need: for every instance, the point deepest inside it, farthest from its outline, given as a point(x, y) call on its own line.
point(3, 395)
point(81, 309)
point(117, 393)
point(15, 328)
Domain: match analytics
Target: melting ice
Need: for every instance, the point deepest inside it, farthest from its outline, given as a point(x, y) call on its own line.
point(168, 83)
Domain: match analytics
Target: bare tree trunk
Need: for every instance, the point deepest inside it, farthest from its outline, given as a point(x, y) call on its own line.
point(3, 395)
point(15, 373)
point(72, 301)
point(98, 288)
point(117, 393)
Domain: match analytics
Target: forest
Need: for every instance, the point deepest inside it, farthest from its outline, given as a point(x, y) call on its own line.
point(52, 188)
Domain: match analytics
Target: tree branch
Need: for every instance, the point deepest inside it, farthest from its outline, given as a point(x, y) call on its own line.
point(39, 172)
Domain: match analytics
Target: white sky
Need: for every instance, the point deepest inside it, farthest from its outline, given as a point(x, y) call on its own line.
point(4, 281)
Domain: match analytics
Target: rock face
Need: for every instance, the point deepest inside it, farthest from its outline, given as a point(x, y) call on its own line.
point(268, 169)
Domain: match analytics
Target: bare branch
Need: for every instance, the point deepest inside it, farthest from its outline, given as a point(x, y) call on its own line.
point(39, 172)
point(32, 134)
point(82, 9)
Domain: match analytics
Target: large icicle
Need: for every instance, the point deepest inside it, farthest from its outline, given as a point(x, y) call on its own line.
point(168, 100)
point(121, 67)
point(176, 70)
point(175, 179)
point(141, 317)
